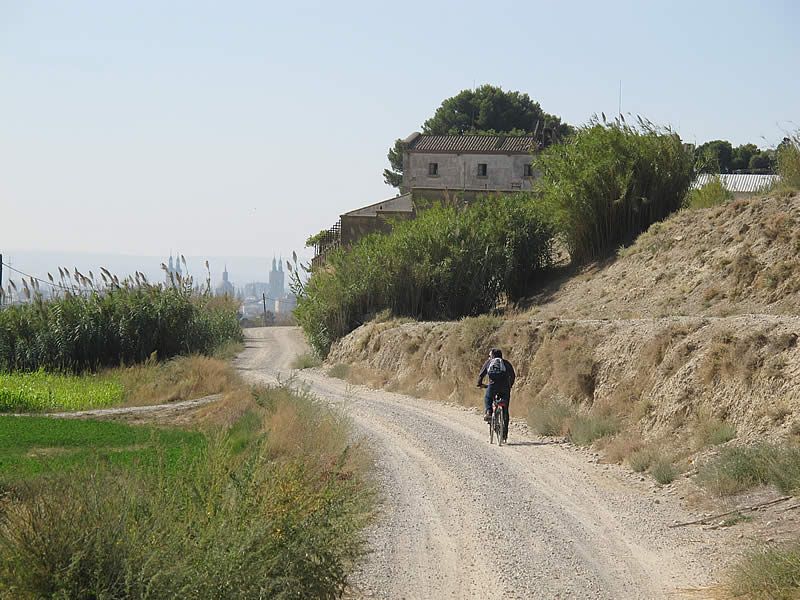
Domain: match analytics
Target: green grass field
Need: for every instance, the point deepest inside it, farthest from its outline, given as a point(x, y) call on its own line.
point(41, 391)
point(31, 446)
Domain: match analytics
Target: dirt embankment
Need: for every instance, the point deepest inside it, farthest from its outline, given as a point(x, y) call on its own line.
point(696, 321)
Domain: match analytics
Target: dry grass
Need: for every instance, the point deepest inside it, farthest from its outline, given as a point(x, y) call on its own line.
point(182, 378)
point(306, 361)
point(772, 573)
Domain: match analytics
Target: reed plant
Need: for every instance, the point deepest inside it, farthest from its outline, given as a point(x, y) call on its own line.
point(611, 181)
point(450, 262)
point(87, 328)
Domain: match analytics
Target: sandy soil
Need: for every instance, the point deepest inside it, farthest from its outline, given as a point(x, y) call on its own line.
point(534, 519)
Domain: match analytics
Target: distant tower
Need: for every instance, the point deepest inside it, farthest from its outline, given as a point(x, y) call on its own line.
point(276, 290)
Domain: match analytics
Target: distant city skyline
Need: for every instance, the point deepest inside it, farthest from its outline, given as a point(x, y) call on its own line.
point(242, 269)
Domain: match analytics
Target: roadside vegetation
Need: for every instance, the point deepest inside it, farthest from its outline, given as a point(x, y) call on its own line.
point(598, 190)
point(772, 573)
point(121, 324)
point(610, 182)
point(270, 505)
point(448, 263)
point(712, 193)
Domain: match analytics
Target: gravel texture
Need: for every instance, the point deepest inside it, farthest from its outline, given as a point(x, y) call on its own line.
point(461, 518)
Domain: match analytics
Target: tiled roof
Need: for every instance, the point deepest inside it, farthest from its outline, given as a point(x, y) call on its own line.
point(478, 144)
point(745, 183)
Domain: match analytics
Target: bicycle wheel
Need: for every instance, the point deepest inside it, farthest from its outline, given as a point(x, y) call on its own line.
point(499, 425)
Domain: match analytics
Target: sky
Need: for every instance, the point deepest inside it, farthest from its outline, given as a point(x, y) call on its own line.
point(240, 128)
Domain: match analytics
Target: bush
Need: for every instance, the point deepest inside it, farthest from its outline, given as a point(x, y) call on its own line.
point(788, 159)
point(611, 182)
point(710, 194)
point(585, 429)
point(663, 471)
point(309, 360)
point(772, 573)
point(118, 325)
point(550, 417)
point(739, 469)
point(446, 264)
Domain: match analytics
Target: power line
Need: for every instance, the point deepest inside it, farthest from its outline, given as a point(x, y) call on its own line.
point(55, 285)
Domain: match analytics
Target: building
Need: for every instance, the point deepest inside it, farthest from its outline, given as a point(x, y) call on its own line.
point(467, 166)
point(172, 273)
point(740, 185)
point(276, 287)
point(443, 168)
point(226, 287)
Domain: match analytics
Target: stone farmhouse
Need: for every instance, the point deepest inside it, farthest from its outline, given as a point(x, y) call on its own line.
point(443, 168)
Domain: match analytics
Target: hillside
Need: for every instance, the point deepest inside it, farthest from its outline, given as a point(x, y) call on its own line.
point(692, 329)
point(738, 258)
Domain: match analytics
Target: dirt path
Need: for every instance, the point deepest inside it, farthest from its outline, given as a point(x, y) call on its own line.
point(534, 519)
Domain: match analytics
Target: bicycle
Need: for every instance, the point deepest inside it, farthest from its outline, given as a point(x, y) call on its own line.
point(499, 407)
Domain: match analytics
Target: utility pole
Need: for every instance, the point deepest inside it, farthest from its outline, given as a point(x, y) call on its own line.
point(264, 299)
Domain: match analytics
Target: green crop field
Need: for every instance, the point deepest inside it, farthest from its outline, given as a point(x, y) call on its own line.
point(31, 446)
point(40, 391)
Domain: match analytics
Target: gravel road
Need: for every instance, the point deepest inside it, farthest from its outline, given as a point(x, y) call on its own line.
point(534, 519)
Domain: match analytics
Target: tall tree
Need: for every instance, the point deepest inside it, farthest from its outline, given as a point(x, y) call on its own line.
point(714, 157)
point(485, 110)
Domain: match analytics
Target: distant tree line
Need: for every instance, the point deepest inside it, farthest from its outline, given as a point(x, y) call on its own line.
point(720, 156)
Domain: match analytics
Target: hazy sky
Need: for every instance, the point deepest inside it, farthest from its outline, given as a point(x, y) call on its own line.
point(240, 128)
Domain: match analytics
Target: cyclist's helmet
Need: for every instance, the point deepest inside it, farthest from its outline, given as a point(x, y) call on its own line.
point(497, 353)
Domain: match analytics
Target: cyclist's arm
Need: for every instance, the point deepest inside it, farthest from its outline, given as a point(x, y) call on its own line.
point(482, 374)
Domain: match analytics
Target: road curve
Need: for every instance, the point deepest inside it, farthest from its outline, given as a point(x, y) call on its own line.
point(465, 519)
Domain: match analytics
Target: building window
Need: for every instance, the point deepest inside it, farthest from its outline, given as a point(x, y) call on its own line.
point(433, 169)
point(528, 171)
point(482, 169)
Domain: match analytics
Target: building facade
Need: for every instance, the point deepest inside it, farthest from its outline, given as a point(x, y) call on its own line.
point(471, 164)
point(445, 168)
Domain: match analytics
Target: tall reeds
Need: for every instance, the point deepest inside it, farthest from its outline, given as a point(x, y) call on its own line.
point(90, 325)
point(448, 263)
point(611, 181)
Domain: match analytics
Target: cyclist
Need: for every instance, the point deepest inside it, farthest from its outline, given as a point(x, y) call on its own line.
point(501, 378)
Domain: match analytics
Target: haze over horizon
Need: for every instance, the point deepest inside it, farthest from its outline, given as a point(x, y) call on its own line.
point(236, 129)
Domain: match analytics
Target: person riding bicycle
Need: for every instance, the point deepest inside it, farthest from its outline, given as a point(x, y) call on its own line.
point(501, 378)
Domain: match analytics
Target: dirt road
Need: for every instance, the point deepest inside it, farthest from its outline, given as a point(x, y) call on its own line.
point(465, 519)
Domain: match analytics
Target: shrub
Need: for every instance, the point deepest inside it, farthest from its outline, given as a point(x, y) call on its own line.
point(788, 159)
point(550, 417)
point(739, 469)
point(585, 429)
point(710, 194)
point(117, 325)
point(446, 264)
point(663, 471)
point(611, 182)
point(770, 573)
point(308, 360)
point(640, 460)
point(339, 371)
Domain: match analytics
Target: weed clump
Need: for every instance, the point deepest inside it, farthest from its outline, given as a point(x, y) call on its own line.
point(739, 469)
point(768, 573)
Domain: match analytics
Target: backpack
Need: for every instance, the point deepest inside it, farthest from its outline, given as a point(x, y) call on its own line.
point(497, 371)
